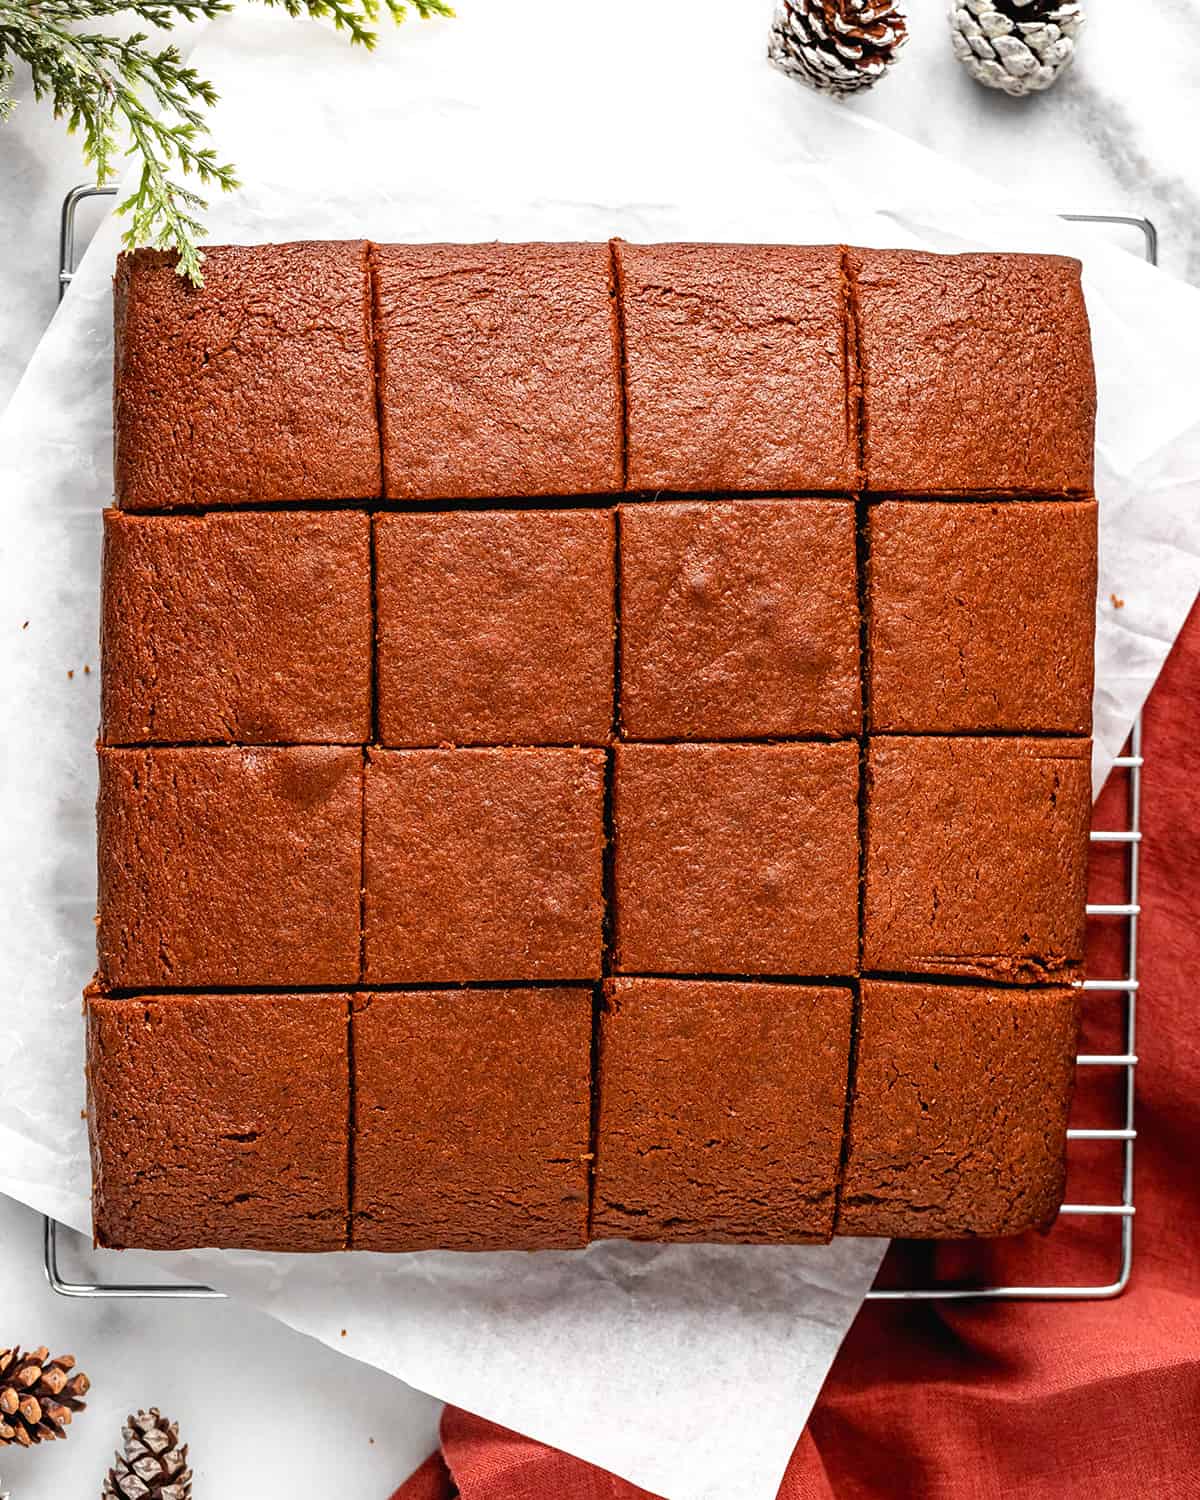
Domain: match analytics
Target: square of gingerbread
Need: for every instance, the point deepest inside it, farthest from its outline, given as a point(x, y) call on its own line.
point(219, 1120)
point(483, 864)
point(736, 859)
point(472, 1114)
point(739, 620)
point(959, 1110)
point(495, 627)
point(982, 615)
point(976, 857)
point(229, 866)
point(257, 386)
point(499, 370)
point(738, 368)
point(246, 626)
point(721, 1107)
point(977, 372)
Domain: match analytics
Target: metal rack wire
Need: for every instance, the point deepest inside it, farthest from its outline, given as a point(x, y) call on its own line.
point(1123, 987)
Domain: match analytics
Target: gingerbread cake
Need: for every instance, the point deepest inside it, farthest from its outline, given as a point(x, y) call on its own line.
point(471, 1119)
point(220, 1120)
point(720, 1110)
point(594, 743)
point(739, 620)
point(958, 1112)
point(258, 389)
point(236, 628)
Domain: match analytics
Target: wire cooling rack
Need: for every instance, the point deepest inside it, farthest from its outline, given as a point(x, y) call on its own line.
point(1120, 990)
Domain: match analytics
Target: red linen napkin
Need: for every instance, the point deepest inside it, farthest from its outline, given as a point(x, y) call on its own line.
point(1041, 1400)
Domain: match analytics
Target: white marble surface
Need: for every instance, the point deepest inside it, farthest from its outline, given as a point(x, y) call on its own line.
point(1106, 139)
point(1114, 135)
point(267, 1413)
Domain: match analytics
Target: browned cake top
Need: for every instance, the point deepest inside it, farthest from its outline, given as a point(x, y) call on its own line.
point(498, 370)
point(236, 626)
point(720, 1110)
point(739, 619)
point(958, 1124)
point(604, 819)
point(976, 859)
point(977, 372)
point(736, 859)
point(472, 1119)
point(736, 368)
point(257, 387)
point(219, 1120)
point(981, 615)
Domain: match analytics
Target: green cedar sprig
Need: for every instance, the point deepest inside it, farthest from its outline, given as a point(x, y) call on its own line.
point(122, 93)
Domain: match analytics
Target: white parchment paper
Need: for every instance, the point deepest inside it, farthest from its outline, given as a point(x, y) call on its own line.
point(689, 1370)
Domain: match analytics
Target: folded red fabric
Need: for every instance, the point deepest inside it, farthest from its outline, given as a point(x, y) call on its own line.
point(979, 1402)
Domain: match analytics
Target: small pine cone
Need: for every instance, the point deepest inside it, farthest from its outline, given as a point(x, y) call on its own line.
point(836, 46)
point(153, 1466)
point(1018, 46)
point(38, 1396)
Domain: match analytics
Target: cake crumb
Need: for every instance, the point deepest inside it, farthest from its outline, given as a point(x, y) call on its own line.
point(343, 1333)
point(71, 674)
point(1117, 603)
point(87, 671)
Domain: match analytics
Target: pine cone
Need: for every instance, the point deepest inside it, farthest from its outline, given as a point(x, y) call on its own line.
point(153, 1466)
point(1020, 46)
point(836, 46)
point(38, 1396)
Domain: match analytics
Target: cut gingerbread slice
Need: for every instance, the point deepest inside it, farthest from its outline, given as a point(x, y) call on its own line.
point(736, 859)
point(495, 627)
point(959, 1113)
point(739, 620)
point(739, 370)
point(236, 627)
point(472, 1111)
point(976, 857)
point(977, 373)
point(257, 387)
point(219, 1120)
point(981, 616)
point(483, 865)
point(499, 370)
point(229, 866)
point(721, 1106)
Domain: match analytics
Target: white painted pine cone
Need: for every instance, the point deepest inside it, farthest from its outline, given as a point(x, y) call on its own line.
point(836, 46)
point(1018, 57)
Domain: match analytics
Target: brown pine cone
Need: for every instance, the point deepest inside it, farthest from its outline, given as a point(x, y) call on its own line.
point(836, 46)
point(153, 1466)
point(38, 1396)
